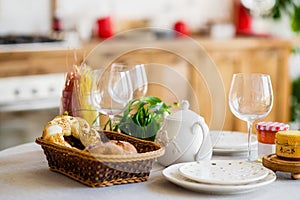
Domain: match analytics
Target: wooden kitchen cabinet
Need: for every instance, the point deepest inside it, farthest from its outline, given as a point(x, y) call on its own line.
point(22, 63)
point(268, 56)
point(174, 75)
point(255, 55)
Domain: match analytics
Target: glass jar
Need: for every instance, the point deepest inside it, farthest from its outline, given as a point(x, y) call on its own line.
point(266, 132)
point(288, 144)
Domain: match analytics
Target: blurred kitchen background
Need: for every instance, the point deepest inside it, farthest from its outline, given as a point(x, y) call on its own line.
point(36, 36)
point(37, 17)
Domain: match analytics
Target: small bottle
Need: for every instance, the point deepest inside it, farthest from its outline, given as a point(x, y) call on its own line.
point(56, 24)
point(266, 132)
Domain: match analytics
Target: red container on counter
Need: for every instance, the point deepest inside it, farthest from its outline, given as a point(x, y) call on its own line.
point(181, 27)
point(266, 132)
point(104, 27)
point(243, 19)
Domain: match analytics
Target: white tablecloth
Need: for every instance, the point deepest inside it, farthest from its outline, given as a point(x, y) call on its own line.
point(24, 174)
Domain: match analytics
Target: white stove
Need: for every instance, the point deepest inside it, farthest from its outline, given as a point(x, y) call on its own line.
point(27, 103)
point(31, 92)
point(21, 43)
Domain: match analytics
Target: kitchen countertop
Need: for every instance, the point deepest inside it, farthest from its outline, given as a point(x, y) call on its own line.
point(209, 43)
point(30, 59)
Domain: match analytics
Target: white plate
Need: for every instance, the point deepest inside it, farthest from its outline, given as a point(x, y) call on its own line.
point(224, 172)
point(231, 141)
point(172, 174)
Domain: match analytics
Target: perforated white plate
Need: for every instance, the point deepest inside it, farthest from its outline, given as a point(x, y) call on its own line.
point(172, 174)
point(224, 172)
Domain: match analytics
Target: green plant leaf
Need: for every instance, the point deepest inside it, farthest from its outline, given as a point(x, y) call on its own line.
point(142, 117)
point(290, 8)
point(152, 100)
point(295, 19)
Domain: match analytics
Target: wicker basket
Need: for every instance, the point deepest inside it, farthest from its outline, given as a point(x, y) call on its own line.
point(103, 170)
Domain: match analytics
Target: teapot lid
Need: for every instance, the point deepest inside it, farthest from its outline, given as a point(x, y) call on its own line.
point(184, 114)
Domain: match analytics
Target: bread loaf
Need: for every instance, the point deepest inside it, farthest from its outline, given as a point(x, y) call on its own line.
point(61, 128)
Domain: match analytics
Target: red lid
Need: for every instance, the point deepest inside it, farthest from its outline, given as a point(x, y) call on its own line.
point(272, 126)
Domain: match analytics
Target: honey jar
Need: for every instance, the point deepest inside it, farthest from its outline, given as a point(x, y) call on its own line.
point(288, 144)
point(266, 136)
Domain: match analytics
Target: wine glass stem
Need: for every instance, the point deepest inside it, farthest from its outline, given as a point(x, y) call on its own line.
point(249, 123)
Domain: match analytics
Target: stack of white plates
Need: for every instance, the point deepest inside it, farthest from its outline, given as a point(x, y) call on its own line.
point(231, 142)
point(220, 176)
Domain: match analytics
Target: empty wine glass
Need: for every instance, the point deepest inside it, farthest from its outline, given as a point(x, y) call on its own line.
point(139, 80)
point(250, 99)
point(111, 92)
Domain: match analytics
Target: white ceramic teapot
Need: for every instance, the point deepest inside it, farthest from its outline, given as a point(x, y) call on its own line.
point(185, 136)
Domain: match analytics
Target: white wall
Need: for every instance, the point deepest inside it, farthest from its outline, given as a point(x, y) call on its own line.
point(160, 12)
point(34, 15)
point(29, 16)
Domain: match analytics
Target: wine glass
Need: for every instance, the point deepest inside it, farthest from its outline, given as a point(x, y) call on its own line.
point(250, 99)
point(139, 80)
point(111, 92)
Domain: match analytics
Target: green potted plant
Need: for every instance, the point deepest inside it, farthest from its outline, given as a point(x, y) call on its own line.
point(291, 8)
point(295, 104)
point(142, 118)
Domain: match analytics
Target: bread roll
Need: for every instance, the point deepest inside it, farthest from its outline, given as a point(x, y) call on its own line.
point(83, 128)
point(89, 138)
point(107, 148)
point(126, 146)
point(112, 147)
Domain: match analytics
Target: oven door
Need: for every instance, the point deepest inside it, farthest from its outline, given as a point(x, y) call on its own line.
point(27, 104)
point(18, 127)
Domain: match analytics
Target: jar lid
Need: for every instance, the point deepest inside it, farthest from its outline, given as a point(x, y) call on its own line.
point(272, 126)
point(289, 137)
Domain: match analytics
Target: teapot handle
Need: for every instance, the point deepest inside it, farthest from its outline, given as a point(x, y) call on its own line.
point(205, 130)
